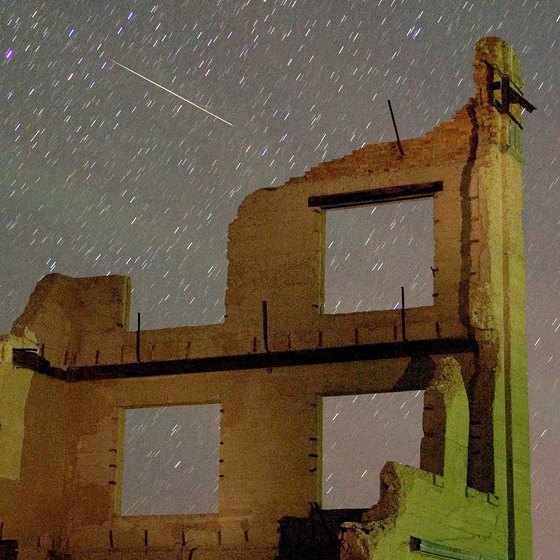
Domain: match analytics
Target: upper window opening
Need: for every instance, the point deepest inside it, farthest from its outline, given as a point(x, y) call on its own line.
point(374, 250)
point(171, 460)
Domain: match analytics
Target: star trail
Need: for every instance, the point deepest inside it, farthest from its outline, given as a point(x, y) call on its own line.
point(104, 173)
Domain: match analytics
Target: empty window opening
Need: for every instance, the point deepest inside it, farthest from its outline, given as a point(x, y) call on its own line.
point(373, 251)
point(360, 434)
point(171, 460)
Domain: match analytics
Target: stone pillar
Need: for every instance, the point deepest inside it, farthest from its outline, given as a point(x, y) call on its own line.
point(497, 299)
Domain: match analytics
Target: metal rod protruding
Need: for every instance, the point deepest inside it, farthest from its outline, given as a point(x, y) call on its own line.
point(265, 325)
point(395, 127)
point(138, 340)
point(403, 315)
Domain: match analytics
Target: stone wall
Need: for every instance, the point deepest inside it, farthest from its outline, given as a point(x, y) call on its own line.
point(466, 351)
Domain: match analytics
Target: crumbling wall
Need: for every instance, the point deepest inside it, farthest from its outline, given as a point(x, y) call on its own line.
point(418, 507)
point(63, 313)
point(469, 342)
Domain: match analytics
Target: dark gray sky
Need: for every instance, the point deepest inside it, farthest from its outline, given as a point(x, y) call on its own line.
point(104, 173)
point(171, 459)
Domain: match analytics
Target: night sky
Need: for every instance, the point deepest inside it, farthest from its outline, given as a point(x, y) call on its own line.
point(103, 172)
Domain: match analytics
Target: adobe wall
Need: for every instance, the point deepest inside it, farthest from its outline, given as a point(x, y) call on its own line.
point(270, 456)
point(36, 454)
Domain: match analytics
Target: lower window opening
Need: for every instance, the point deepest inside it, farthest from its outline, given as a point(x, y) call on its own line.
point(171, 460)
point(360, 434)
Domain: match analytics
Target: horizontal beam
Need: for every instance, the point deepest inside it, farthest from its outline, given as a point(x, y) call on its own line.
point(375, 196)
point(262, 360)
point(28, 358)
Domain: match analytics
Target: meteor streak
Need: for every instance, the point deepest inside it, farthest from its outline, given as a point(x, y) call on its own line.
point(169, 91)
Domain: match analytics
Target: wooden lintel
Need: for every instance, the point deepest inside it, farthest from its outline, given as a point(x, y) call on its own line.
point(375, 196)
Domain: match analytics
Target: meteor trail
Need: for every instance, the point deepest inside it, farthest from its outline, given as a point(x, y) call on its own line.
point(169, 91)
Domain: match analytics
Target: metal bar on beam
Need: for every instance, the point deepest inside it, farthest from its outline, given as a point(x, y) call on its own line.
point(265, 325)
point(265, 360)
point(395, 127)
point(403, 315)
point(138, 340)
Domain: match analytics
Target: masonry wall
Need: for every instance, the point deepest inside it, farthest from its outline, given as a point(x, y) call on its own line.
point(67, 494)
point(269, 430)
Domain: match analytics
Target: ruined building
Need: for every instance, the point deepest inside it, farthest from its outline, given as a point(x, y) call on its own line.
point(70, 370)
